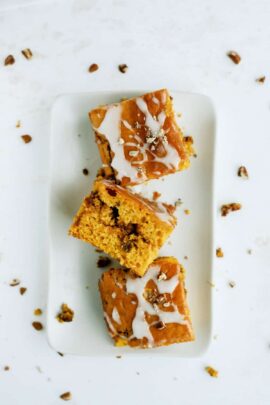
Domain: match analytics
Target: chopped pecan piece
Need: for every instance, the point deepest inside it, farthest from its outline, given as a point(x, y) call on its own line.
point(66, 314)
point(27, 53)
point(261, 79)
point(26, 138)
point(22, 290)
point(219, 252)
point(66, 396)
point(242, 172)
point(92, 68)
point(234, 56)
point(227, 208)
point(37, 325)
point(123, 68)
point(156, 195)
point(10, 60)
point(14, 282)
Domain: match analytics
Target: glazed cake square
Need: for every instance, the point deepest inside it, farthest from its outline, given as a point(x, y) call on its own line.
point(149, 311)
point(123, 224)
point(139, 139)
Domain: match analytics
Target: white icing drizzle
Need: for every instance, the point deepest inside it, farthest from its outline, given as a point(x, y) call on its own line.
point(158, 208)
point(111, 327)
point(136, 286)
point(116, 316)
point(127, 125)
point(155, 100)
point(163, 97)
point(111, 129)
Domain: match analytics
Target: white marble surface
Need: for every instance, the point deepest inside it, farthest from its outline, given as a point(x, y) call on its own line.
point(181, 45)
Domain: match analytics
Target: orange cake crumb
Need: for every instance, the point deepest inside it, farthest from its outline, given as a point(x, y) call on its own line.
point(211, 371)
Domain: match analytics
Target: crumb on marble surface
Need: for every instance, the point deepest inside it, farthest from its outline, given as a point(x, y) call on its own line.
point(232, 284)
point(187, 212)
point(219, 252)
point(18, 124)
point(85, 171)
point(178, 202)
point(38, 312)
point(211, 284)
point(211, 371)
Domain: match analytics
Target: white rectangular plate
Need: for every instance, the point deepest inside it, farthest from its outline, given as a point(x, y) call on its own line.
point(73, 271)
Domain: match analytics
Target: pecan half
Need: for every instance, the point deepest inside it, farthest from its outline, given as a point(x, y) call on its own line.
point(234, 56)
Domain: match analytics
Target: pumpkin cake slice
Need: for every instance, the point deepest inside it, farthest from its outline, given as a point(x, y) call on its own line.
point(139, 139)
point(123, 224)
point(149, 311)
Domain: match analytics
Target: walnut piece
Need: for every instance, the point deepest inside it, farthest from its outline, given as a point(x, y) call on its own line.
point(219, 252)
point(92, 68)
point(234, 56)
point(66, 396)
point(227, 208)
point(37, 325)
point(10, 60)
point(66, 314)
point(242, 172)
point(211, 371)
point(26, 138)
point(123, 68)
point(27, 53)
point(103, 261)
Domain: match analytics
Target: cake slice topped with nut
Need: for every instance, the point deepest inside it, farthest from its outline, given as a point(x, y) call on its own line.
point(139, 139)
